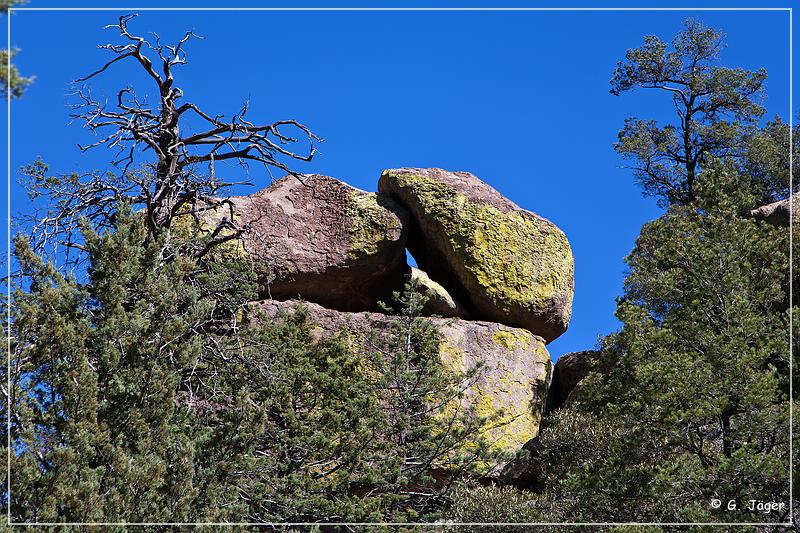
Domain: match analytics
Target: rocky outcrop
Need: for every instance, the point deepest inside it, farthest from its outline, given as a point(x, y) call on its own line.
point(778, 213)
point(505, 264)
point(439, 302)
point(513, 379)
point(570, 369)
point(500, 278)
point(316, 237)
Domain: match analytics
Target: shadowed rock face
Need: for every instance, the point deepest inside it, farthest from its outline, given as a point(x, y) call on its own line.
point(514, 378)
point(324, 240)
point(570, 369)
point(505, 264)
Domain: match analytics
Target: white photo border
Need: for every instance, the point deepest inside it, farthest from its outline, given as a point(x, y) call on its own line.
point(788, 10)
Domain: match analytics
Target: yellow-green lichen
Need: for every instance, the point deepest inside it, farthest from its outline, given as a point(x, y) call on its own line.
point(516, 260)
point(499, 397)
point(452, 357)
point(370, 223)
point(502, 401)
point(516, 339)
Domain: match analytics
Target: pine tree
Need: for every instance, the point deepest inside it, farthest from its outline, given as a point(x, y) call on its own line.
point(701, 363)
point(102, 377)
point(716, 106)
point(689, 400)
point(151, 391)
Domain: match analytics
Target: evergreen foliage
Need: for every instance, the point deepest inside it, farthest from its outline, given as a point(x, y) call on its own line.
point(12, 83)
point(767, 161)
point(717, 108)
point(152, 391)
point(144, 395)
point(689, 401)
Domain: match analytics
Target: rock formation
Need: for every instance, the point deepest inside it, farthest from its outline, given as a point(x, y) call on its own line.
point(482, 257)
point(505, 264)
point(321, 239)
point(513, 379)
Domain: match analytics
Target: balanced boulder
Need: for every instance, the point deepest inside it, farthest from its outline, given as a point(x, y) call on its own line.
point(505, 264)
point(513, 374)
point(320, 239)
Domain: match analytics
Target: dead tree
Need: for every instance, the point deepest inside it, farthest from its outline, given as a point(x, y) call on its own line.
point(179, 177)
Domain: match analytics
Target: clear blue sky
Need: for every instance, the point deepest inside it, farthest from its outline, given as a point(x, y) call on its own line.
point(521, 99)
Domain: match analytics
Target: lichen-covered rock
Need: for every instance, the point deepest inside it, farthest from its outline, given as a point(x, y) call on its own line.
point(318, 238)
point(439, 300)
point(505, 264)
point(778, 213)
point(512, 381)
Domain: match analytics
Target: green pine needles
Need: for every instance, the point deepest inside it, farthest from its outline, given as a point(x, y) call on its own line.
point(151, 392)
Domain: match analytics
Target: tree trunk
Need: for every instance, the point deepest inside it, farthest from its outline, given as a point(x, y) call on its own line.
point(688, 154)
point(727, 443)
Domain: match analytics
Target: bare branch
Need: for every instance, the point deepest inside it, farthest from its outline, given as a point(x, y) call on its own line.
point(156, 138)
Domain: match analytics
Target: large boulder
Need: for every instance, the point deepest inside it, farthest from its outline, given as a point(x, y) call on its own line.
point(504, 263)
point(318, 238)
point(513, 379)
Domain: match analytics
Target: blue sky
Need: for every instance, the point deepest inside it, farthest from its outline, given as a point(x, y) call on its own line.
point(521, 99)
